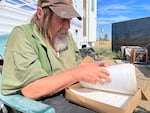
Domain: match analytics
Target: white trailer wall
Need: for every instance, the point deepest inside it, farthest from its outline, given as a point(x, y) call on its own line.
point(89, 21)
point(76, 25)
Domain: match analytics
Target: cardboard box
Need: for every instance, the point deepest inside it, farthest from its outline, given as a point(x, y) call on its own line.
point(143, 92)
point(102, 107)
point(145, 89)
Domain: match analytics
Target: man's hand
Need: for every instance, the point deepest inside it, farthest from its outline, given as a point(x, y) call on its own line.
point(105, 64)
point(92, 72)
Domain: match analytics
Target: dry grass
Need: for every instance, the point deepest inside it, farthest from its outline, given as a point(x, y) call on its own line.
point(104, 48)
point(104, 44)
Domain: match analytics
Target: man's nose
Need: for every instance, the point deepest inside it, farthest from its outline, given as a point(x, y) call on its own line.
point(66, 24)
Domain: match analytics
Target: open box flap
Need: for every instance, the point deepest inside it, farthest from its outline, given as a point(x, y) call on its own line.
point(145, 89)
point(100, 106)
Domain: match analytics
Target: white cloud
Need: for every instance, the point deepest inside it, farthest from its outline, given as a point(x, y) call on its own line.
point(142, 7)
point(119, 11)
point(106, 20)
point(112, 11)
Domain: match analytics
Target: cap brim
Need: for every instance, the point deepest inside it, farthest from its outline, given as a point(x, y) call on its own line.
point(65, 11)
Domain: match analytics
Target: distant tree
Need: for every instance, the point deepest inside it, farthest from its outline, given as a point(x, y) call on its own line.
point(106, 37)
point(99, 38)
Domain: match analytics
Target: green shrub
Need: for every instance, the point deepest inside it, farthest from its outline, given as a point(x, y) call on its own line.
point(108, 53)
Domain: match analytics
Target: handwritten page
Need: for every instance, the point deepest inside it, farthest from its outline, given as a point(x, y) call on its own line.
point(123, 80)
point(114, 99)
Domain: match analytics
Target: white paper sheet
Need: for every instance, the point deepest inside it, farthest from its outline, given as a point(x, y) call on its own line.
point(123, 80)
point(117, 100)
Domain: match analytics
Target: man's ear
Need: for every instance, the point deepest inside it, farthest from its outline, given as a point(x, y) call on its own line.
point(39, 12)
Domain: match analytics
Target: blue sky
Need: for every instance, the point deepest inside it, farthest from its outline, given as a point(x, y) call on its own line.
point(111, 11)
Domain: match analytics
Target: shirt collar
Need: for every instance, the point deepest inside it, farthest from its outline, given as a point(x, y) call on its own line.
point(38, 36)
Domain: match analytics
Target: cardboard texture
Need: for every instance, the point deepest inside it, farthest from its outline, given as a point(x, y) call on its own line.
point(145, 89)
point(102, 107)
point(88, 59)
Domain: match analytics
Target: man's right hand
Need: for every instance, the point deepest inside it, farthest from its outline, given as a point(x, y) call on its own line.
point(92, 73)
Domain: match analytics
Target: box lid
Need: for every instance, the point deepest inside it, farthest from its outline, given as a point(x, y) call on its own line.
point(145, 89)
point(102, 107)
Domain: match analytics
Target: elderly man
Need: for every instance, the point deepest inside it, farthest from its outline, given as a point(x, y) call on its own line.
point(41, 58)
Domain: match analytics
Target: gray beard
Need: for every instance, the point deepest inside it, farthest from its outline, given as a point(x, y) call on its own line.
point(60, 44)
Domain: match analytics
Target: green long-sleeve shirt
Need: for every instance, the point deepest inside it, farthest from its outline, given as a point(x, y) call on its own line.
point(28, 57)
